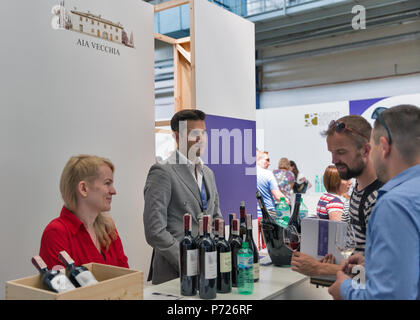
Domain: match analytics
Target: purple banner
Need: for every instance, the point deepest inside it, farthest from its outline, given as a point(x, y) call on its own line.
point(357, 107)
point(322, 237)
point(230, 153)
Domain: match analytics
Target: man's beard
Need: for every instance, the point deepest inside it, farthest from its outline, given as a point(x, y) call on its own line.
point(353, 172)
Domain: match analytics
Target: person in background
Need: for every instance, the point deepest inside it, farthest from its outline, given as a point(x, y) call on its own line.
point(84, 228)
point(285, 178)
point(348, 141)
point(301, 183)
point(268, 188)
point(330, 206)
point(392, 259)
point(180, 184)
point(345, 197)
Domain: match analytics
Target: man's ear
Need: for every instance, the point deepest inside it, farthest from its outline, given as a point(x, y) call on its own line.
point(175, 134)
point(385, 146)
point(366, 149)
point(82, 187)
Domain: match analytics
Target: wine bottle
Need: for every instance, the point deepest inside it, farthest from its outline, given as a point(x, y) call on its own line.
point(253, 248)
point(224, 261)
point(207, 263)
point(231, 217)
point(216, 230)
point(80, 276)
point(264, 211)
point(295, 219)
point(242, 214)
point(54, 280)
point(235, 245)
point(188, 260)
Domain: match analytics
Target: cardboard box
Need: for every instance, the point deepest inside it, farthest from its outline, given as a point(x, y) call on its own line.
point(115, 283)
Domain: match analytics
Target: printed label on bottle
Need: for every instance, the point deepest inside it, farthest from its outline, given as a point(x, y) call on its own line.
point(210, 265)
point(192, 262)
point(245, 261)
point(86, 278)
point(61, 283)
point(225, 262)
point(256, 270)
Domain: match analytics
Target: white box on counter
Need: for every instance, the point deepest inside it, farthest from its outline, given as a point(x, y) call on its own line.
point(318, 238)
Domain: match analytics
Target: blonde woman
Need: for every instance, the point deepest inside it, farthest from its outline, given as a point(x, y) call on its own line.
point(84, 228)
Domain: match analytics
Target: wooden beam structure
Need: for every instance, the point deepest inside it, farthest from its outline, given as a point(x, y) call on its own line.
point(170, 4)
point(164, 38)
point(184, 62)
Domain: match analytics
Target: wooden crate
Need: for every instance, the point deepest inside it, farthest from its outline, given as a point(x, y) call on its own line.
point(115, 283)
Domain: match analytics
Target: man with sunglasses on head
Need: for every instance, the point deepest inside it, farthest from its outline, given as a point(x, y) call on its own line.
point(348, 141)
point(392, 260)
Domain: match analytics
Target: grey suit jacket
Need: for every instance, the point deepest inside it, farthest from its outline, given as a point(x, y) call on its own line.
point(169, 193)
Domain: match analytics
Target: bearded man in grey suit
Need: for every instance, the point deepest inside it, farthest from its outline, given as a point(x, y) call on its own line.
point(180, 184)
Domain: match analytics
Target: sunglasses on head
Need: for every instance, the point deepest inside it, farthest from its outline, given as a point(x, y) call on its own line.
point(376, 115)
point(340, 127)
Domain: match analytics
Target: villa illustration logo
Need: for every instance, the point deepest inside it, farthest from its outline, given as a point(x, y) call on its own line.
point(320, 119)
point(92, 25)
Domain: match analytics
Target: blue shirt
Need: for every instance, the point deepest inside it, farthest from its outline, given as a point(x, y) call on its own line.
point(265, 183)
point(392, 256)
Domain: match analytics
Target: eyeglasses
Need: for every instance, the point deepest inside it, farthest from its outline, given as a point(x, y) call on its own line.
point(340, 127)
point(376, 115)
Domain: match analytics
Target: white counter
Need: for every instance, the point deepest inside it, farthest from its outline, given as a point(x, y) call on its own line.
point(276, 283)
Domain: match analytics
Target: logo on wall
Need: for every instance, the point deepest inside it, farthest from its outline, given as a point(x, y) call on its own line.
point(320, 118)
point(311, 119)
point(90, 24)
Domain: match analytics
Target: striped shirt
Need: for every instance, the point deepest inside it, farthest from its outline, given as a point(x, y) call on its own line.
point(353, 215)
point(328, 203)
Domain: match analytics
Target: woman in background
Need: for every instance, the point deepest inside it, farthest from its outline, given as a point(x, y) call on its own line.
point(84, 228)
point(285, 178)
point(301, 183)
point(330, 206)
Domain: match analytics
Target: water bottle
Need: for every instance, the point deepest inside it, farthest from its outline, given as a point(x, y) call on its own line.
point(245, 270)
point(303, 211)
point(317, 184)
point(282, 213)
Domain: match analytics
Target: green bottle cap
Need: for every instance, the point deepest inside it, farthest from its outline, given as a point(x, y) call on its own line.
point(245, 245)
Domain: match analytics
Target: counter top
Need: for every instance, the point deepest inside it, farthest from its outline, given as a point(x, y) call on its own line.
point(274, 282)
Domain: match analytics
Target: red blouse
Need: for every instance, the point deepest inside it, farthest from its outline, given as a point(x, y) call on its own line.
point(68, 233)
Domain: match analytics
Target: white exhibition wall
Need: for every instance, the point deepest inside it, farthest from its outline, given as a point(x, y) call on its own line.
point(63, 93)
point(224, 62)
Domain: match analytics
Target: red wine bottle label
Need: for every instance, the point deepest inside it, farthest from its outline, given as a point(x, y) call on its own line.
point(65, 258)
point(225, 262)
point(210, 265)
point(192, 262)
point(86, 278)
point(39, 263)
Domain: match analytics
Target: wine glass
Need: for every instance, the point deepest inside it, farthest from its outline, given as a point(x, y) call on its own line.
point(345, 239)
point(291, 238)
